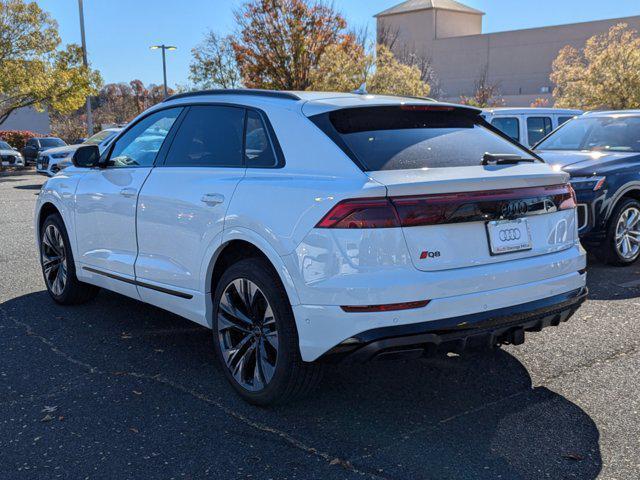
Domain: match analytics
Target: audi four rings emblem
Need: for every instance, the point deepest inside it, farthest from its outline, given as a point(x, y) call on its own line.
point(510, 234)
point(514, 208)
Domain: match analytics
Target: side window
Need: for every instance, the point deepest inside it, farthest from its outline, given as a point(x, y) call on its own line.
point(140, 145)
point(508, 125)
point(538, 128)
point(259, 151)
point(32, 143)
point(562, 120)
point(209, 136)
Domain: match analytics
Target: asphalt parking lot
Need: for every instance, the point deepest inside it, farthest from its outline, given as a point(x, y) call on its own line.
point(119, 389)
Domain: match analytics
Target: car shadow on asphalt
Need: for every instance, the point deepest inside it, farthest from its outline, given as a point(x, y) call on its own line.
point(36, 186)
point(606, 282)
point(471, 416)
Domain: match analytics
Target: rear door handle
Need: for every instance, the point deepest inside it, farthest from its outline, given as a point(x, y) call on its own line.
point(212, 199)
point(128, 192)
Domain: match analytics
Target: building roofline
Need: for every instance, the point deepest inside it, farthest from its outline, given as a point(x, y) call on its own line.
point(463, 9)
point(561, 25)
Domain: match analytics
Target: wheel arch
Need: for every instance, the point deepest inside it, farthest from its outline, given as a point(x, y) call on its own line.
point(243, 243)
point(631, 190)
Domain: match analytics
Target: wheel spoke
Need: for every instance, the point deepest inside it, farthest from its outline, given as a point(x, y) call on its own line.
point(272, 339)
point(236, 353)
point(229, 307)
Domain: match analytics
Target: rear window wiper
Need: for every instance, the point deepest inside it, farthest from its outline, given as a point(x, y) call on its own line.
point(504, 159)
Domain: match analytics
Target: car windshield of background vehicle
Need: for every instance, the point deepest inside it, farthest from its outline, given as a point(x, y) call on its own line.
point(51, 142)
point(5, 146)
point(508, 125)
point(99, 137)
point(608, 134)
point(401, 138)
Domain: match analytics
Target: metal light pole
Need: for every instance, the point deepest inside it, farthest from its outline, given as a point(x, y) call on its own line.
point(86, 64)
point(164, 48)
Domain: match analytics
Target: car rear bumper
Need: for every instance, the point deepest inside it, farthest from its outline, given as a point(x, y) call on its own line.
point(484, 329)
point(321, 328)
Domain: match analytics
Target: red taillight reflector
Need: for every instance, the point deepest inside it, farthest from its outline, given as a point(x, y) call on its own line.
point(361, 213)
point(386, 308)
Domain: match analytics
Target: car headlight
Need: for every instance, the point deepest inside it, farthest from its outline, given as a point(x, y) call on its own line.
point(588, 183)
point(60, 155)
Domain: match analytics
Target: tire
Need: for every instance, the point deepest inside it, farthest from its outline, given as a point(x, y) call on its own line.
point(612, 251)
point(261, 373)
point(60, 274)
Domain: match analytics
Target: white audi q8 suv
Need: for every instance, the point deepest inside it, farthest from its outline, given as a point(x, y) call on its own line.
point(311, 228)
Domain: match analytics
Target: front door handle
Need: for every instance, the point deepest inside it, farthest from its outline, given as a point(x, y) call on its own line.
point(128, 192)
point(212, 199)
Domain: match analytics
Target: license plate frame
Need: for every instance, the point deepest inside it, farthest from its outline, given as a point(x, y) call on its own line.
point(508, 236)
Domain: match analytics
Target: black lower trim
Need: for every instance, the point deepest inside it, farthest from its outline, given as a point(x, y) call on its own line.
point(139, 284)
point(505, 325)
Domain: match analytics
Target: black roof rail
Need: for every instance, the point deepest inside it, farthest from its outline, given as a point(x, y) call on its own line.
point(237, 91)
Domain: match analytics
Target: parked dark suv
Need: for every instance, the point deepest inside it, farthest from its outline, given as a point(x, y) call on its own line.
point(36, 145)
point(601, 151)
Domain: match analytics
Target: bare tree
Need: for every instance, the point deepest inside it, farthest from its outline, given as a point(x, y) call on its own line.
point(214, 63)
point(486, 93)
point(388, 35)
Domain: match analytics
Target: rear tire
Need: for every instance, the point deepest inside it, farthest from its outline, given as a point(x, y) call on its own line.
point(58, 267)
point(255, 336)
point(622, 243)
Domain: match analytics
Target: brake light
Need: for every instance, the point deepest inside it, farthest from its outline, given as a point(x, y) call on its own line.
point(361, 213)
point(427, 108)
point(420, 210)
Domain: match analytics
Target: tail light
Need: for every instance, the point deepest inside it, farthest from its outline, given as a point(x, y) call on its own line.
point(420, 210)
point(361, 213)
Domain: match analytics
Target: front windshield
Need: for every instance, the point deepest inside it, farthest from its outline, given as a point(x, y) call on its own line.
point(99, 137)
point(5, 146)
point(608, 134)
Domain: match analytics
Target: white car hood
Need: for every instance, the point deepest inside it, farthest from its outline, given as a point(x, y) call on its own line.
point(66, 149)
point(10, 152)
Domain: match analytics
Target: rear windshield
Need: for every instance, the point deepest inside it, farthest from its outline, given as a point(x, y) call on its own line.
point(401, 138)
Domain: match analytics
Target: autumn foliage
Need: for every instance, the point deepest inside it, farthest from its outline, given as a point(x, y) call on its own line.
point(282, 41)
point(605, 74)
point(16, 138)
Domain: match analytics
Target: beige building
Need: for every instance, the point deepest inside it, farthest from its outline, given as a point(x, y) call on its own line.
point(28, 118)
point(449, 34)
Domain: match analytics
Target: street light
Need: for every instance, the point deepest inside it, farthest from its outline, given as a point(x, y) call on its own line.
point(164, 48)
point(86, 64)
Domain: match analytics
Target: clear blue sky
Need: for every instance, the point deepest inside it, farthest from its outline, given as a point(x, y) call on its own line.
point(119, 32)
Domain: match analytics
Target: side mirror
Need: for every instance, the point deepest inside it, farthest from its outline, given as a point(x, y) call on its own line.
point(86, 156)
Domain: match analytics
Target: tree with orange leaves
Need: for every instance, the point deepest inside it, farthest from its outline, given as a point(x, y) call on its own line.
point(282, 41)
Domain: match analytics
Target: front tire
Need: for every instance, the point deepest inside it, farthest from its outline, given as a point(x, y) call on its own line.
point(622, 244)
point(58, 268)
point(255, 336)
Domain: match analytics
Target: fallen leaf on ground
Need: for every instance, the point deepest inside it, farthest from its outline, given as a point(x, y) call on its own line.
point(573, 456)
point(47, 418)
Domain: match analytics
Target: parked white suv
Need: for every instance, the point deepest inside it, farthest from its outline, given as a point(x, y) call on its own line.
point(50, 162)
point(528, 125)
point(307, 228)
